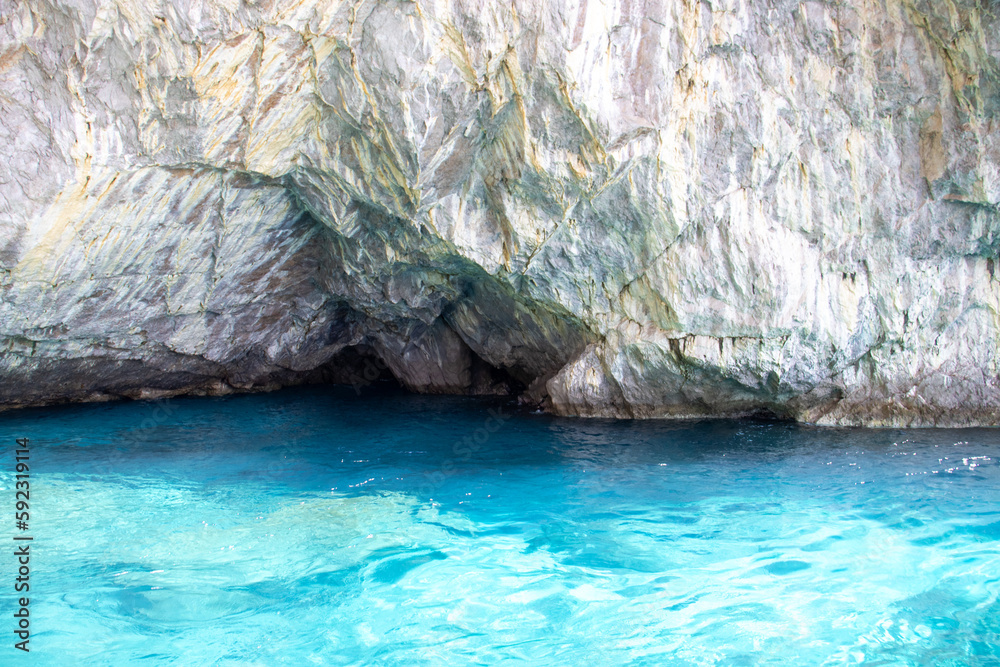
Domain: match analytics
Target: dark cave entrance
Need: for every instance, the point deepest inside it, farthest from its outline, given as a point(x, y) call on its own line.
point(361, 367)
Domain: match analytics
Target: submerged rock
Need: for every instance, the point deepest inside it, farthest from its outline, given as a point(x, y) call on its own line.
point(629, 209)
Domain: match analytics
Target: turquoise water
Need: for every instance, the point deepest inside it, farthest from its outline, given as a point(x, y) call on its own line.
point(313, 526)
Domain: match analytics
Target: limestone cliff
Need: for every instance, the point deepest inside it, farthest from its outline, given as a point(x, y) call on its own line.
point(630, 208)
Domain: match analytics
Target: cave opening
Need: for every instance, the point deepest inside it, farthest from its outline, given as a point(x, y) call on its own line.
point(361, 367)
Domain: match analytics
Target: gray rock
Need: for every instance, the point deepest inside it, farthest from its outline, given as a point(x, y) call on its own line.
point(632, 209)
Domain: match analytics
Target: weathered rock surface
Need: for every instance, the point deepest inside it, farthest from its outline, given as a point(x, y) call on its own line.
point(633, 208)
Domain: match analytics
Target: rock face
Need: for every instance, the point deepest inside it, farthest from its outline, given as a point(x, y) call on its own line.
point(631, 209)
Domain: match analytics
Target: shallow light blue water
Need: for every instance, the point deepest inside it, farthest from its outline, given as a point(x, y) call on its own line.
point(312, 526)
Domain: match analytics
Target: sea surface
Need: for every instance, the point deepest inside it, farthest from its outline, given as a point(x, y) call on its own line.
point(316, 526)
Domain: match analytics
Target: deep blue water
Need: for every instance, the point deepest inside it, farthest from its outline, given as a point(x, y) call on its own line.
point(314, 526)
